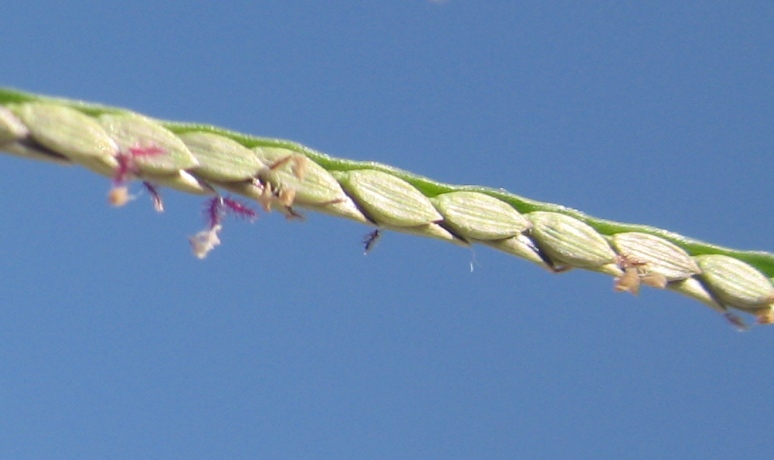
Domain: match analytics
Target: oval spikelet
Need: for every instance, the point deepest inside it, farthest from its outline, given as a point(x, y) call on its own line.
point(133, 131)
point(735, 283)
point(480, 217)
point(317, 185)
point(11, 128)
point(657, 254)
point(388, 199)
point(220, 158)
point(70, 133)
point(567, 240)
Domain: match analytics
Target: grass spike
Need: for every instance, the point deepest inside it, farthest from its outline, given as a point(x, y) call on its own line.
point(284, 175)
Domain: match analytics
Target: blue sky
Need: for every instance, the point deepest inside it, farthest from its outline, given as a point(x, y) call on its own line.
point(287, 342)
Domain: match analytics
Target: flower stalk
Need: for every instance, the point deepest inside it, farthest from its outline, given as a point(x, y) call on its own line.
point(285, 176)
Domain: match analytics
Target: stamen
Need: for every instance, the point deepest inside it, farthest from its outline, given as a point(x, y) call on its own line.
point(158, 203)
point(370, 241)
point(205, 241)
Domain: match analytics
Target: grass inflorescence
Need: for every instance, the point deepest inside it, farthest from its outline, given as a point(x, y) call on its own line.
point(285, 176)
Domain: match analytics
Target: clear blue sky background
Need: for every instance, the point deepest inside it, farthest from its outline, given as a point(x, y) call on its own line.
point(115, 342)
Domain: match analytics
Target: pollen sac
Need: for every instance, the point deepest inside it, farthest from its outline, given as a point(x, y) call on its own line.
point(571, 242)
point(389, 200)
point(70, 133)
point(314, 186)
point(736, 284)
point(133, 132)
point(220, 158)
point(11, 128)
point(119, 196)
point(205, 241)
point(478, 216)
point(655, 255)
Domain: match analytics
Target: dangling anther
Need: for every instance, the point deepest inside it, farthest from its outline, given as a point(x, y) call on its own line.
point(215, 210)
point(737, 322)
point(153, 191)
point(369, 241)
point(298, 167)
point(632, 277)
point(126, 169)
